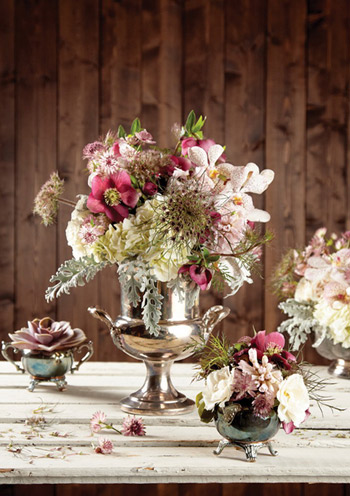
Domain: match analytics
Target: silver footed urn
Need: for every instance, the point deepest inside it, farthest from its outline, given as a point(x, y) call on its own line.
point(180, 327)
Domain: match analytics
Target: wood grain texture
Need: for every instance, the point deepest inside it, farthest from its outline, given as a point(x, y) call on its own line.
point(7, 166)
point(271, 76)
point(78, 124)
point(285, 134)
point(245, 131)
point(36, 139)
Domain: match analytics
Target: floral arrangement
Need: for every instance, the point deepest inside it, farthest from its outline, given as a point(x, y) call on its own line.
point(183, 216)
point(48, 336)
point(314, 285)
point(255, 374)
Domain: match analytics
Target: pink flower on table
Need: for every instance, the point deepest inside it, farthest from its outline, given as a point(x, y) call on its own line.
point(97, 421)
point(133, 426)
point(145, 137)
point(200, 275)
point(105, 446)
point(112, 196)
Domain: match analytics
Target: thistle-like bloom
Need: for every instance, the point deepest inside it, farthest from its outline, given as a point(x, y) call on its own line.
point(263, 404)
point(92, 228)
point(47, 335)
point(105, 446)
point(46, 201)
point(97, 421)
point(112, 196)
point(133, 426)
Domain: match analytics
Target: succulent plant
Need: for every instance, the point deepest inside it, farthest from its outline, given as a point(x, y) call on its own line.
point(47, 335)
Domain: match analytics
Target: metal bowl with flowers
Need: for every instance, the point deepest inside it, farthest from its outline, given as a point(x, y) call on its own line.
point(47, 348)
point(314, 286)
point(252, 388)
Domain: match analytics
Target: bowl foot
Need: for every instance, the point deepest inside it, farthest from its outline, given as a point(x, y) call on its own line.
point(340, 368)
point(250, 449)
point(60, 382)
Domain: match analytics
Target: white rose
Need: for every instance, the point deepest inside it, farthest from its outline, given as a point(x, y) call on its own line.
point(218, 388)
point(304, 291)
point(336, 317)
point(294, 400)
point(78, 216)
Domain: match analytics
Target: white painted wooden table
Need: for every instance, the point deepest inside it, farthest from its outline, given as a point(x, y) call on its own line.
point(176, 449)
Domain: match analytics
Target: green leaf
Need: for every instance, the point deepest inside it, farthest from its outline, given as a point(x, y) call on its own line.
point(190, 121)
point(206, 252)
point(135, 126)
point(199, 124)
point(206, 416)
point(121, 132)
point(213, 258)
point(134, 181)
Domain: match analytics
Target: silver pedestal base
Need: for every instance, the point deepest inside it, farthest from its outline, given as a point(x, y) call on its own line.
point(340, 368)
point(157, 396)
point(250, 449)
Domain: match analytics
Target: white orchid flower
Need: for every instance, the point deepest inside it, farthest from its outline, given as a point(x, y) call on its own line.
point(243, 180)
point(202, 159)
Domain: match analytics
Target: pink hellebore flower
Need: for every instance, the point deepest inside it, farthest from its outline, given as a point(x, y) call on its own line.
point(108, 194)
point(273, 344)
point(150, 188)
point(182, 163)
point(200, 275)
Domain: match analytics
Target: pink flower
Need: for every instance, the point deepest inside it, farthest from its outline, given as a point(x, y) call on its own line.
point(272, 344)
point(205, 144)
point(108, 194)
point(182, 162)
point(133, 426)
point(93, 227)
point(97, 421)
point(91, 149)
point(263, 404)
point(150, 188)
point(105, 446)
point(145, 137)
point(200, 275)
point(289, 427)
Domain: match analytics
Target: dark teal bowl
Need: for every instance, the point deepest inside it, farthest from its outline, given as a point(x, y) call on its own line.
point(247, 427)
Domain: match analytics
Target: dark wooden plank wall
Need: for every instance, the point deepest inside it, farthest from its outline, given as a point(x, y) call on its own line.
point(272, 76)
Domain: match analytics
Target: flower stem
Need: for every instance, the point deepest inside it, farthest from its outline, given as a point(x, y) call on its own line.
point(110, 426)
point(67, 202)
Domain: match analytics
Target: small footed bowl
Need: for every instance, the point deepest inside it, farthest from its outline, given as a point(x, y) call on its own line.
point(340, 365)
point(247, 432)
point(50, 367)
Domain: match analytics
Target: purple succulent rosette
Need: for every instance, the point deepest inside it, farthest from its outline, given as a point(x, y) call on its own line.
point(48, 336)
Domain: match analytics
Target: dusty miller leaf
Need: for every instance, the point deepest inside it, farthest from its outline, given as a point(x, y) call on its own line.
point(73, 273)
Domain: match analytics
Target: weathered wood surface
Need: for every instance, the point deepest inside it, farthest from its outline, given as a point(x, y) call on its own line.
point(273, 78)
point(175, 449)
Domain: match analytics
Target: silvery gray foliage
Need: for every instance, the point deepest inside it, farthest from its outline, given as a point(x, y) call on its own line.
point(182, 289)
point(73, 273)
point(140, 285)
point(301, 322)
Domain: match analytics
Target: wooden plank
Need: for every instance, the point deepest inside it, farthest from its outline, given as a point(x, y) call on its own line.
point(36, 29)
point(7, 166)
point(245, 75)
point(285, 134)
point(78, 125)
point(120, 103)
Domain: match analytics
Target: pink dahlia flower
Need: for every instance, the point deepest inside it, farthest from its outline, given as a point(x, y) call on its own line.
point(47, 335)
point(112, 196)
point(105, 446)
point(133, 426)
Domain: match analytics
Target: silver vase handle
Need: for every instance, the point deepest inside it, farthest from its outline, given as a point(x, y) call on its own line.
point(212, 317)
point(4, 347)
point(86, 357)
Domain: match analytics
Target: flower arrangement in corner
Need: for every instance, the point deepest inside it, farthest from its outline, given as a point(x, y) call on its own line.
point(314, 284)
point(255, 375)
point(183, 216)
